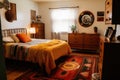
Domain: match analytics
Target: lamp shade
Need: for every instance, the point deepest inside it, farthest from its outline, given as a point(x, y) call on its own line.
point(32, 30)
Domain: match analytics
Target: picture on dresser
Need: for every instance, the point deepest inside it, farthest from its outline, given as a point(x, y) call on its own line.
point(109, 32)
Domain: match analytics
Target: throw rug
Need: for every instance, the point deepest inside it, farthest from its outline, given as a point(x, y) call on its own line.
point(74, 67)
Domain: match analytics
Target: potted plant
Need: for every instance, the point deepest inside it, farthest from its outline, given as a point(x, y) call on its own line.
point(73, 28)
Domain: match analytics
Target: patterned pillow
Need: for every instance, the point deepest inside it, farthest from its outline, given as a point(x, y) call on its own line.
point(15, 38)
point(23, 37)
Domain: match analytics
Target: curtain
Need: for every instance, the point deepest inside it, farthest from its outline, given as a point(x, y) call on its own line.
point(62, 19)
point(55, 35)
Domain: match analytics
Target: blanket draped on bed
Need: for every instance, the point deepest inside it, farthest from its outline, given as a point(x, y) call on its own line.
point(46, 53)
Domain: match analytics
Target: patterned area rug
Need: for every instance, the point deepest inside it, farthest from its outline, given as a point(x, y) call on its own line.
point(73, 67)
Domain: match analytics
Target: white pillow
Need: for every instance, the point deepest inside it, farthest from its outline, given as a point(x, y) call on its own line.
point(7, 39)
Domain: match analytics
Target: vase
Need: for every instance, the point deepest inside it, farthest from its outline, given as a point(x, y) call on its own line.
point(95, 29)
point(73, 31)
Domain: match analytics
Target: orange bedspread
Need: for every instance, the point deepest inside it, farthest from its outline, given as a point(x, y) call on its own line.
point(47, 53)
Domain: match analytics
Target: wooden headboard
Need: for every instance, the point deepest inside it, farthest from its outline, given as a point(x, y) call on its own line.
point(8, 32)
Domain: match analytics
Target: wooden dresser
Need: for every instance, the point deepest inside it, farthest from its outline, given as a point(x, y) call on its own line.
point(84, 41)
point(109, 61)
point(102, 40)
point(40, 31)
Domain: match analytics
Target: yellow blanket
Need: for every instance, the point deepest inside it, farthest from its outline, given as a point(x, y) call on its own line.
point(46, 53)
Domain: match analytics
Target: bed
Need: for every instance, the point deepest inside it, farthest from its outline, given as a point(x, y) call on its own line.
point(41, 51)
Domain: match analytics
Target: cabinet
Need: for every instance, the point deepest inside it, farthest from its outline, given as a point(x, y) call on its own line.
point(84, 41)
point(109, 65)
point(40, 30)
point(112, 12)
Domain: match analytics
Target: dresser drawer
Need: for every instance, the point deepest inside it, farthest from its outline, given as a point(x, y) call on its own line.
point(84, 41)
point(75, 39)
point(76, 46)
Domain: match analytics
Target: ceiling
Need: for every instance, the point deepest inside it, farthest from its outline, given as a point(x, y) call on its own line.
point(50, 0)
point(57, 0)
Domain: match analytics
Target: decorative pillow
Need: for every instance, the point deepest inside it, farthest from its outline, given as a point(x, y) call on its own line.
point(15, 38)
point(23, 37)
point(7, 39)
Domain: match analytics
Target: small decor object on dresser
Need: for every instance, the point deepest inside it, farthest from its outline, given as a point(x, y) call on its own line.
point(108, 32)
point(38, 17)
point(95, 29)
point(73, 28)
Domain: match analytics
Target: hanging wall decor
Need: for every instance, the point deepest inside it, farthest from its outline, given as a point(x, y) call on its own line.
point(33, 16)
point(86, 18)
point(100, 16)
point(10, 14)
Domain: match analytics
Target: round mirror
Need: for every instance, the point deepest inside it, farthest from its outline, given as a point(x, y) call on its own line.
point(86, 19)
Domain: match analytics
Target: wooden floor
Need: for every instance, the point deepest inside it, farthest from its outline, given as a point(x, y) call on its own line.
point(15, 71)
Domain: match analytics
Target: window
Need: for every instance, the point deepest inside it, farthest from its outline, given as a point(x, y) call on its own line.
point(63, 18)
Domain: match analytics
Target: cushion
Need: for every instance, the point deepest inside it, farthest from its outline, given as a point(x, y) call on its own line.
point(15, 38)
point(7, 39)
point(23, 37)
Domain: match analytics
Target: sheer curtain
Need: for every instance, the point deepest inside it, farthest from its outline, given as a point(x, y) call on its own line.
point(62, 19)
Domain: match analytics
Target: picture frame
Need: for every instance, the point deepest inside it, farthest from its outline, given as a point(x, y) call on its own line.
point(100, 16)
point(109, 32)
point(33, 16)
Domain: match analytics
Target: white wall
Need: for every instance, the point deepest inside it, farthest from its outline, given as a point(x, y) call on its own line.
point(23, 8)
point(91, 5)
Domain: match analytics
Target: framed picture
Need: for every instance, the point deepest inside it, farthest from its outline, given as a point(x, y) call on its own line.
point(100, 16)
point(33, 15)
